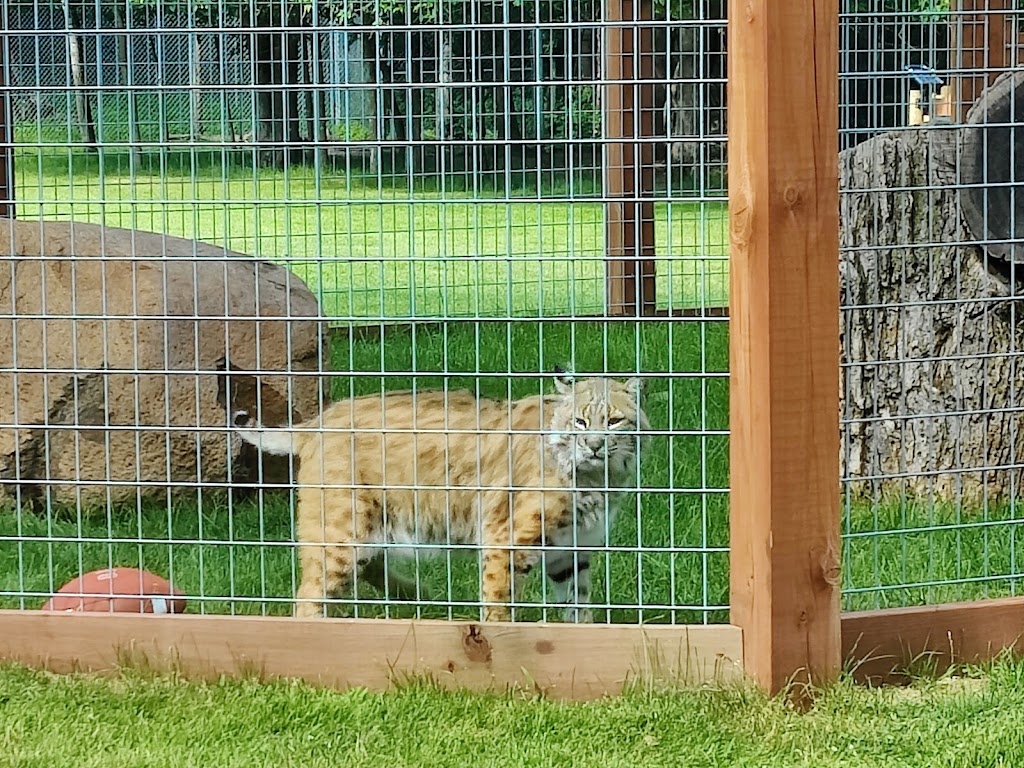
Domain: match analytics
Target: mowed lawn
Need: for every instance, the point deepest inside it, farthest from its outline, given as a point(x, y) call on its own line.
point(393, 246)
point(970, 721)
point(238, 551)
point(669, 559)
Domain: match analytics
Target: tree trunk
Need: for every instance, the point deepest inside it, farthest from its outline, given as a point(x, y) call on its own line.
point(682, 102)
point(931, 337)
point(444, 77)
point(157, 44)
point(82, 106)
point(197, 81)
point(134, 138)
point(292, 66)
point(309, 92)
point(269, 101)
point(320, 124)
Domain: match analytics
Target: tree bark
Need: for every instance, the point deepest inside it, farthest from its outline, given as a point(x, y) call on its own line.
point(444, 77)
point(682, 105)
point(269, 98)
point(134, 137)
point(292, 52)
point(309, 92)
point(320, 79)
point(82, 106)
point(930, 333)
point(196, 99)
point(157, 45)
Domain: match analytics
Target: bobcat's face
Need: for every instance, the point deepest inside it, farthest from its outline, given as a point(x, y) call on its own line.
point(596, 422)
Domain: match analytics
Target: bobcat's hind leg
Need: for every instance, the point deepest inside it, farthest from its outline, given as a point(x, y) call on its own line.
point(326, 572)
point(329, 527)
point(569, 573)
point(497, 579)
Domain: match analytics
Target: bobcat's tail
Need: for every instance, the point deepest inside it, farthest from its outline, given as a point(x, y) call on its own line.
point(278, 440)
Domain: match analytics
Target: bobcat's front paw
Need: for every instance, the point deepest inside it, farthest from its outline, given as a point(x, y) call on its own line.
point(309, 610)
point(578, 615)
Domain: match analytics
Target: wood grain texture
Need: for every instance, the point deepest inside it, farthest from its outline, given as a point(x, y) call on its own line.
point(784, 341)
point(880, 646)
point(563, 661)
point(629, 113)
point(980, 44)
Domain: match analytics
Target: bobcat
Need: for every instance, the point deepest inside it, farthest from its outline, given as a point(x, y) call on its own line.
point(440, 468)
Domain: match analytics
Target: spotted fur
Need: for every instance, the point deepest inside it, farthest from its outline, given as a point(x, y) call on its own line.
point(404, 470)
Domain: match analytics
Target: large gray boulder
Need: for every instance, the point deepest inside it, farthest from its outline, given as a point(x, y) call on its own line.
point(116, 367)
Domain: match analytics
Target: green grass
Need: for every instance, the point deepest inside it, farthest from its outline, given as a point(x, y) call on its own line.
point(135, 720)
point(351, 236)
point(896, 552)
point(262, 576)
point(242, 559)
point(900, 553)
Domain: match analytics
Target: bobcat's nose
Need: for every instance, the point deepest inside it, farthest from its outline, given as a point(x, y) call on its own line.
point(596, 445)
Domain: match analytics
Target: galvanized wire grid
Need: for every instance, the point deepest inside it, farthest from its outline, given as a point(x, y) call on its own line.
point(438, 176)
point(931, 357)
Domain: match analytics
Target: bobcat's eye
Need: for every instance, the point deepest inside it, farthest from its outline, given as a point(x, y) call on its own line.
point(615, 420)
point(581, 424)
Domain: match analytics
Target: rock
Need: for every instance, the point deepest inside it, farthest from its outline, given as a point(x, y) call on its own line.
point(119, 364)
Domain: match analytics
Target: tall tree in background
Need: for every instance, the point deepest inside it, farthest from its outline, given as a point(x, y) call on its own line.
point(74, 21)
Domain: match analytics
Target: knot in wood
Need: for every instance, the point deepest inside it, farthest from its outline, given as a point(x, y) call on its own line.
point(828, 567)
point(791, 196)
point(476, 646)
point(740, 224)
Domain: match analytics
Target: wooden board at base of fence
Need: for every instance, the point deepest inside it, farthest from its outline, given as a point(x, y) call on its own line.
point(883, 646)
point(563, 661)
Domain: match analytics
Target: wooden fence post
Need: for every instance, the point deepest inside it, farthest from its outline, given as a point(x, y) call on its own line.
point(784, 337)
point(980, 43)
point(6, 131)
point(629, 114)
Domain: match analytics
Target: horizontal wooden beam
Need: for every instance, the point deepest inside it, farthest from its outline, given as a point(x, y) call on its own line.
point(881, 645)
point(376, 331)
point(564, 661)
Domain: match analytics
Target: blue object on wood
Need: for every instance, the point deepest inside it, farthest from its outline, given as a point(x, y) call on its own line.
point(923, 75)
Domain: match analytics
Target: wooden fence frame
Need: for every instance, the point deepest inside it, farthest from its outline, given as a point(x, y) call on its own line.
point(784, 337)
point(629, 176)
point(785, 515)
point(980, 47)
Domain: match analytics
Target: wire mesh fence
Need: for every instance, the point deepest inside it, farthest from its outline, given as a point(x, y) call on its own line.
point(929, 280)
point(431, 194)
point(459, 197)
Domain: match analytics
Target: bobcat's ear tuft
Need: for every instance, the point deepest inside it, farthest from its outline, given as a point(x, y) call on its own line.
point(563, 380)
point(635, 387)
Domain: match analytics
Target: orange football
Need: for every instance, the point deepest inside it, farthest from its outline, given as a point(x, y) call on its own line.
point(118, 590)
